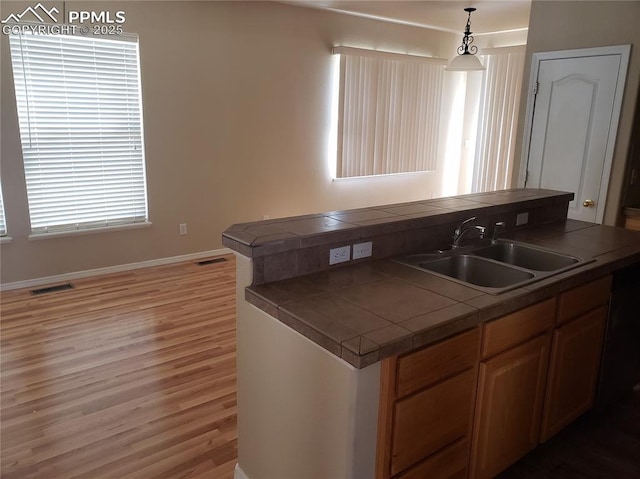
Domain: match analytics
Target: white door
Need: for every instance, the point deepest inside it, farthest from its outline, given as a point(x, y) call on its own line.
point(574, 126)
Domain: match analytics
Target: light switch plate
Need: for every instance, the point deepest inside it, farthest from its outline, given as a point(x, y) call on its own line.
point(339, 255)
point(522, 218)
point(362, 250)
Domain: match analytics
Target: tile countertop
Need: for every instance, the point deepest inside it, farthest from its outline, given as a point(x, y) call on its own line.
point(276, 236)
point(371, 310)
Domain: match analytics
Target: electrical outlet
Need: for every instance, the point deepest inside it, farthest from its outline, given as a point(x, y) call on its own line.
point(265, 217)
point(362, 250)
point(339, 255)
point(183, 229)
point(522, 218)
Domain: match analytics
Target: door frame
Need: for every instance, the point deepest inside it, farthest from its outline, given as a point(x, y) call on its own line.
point(624, 51)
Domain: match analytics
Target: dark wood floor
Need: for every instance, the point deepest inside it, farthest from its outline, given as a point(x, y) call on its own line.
point(598, 445)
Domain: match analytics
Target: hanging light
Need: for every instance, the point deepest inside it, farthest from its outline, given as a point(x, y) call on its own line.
point(466, 59)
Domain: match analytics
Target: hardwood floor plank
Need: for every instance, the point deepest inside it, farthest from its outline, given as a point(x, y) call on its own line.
point(126, 375)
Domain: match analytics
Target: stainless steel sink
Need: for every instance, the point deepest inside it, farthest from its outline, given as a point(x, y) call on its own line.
point(495, 268)
point(477, 271)
point(525, 256)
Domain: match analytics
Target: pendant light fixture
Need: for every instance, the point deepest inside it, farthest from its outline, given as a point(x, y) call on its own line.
point(466, 59)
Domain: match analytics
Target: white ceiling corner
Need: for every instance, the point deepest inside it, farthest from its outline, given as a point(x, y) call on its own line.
point(491, 16)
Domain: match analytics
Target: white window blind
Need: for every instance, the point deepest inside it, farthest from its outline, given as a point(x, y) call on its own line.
point(3, 223)
point(389, 111)
point(498, 118)
point(80, 115)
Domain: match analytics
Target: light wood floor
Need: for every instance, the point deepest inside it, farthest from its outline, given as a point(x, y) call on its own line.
point(130, 375)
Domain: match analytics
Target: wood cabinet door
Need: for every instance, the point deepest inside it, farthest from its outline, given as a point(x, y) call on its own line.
point(511, 388)
point(573, 371)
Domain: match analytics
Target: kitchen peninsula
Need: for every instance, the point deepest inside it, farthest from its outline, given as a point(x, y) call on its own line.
point(319, 346)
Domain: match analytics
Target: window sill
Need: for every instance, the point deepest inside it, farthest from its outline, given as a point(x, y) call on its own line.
point(381, 176)
point(5, 239)
point(88, 231)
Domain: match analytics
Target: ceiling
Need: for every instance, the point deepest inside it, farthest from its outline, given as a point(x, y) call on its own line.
point(491, 15)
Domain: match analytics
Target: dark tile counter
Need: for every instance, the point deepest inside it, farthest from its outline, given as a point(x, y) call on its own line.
point(374, 308)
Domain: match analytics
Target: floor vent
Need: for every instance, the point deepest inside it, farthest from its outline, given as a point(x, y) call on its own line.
point(211, 261)
point(52, 289)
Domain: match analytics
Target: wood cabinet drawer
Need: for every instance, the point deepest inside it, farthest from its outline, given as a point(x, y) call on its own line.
point(431, 419)
point(450, 463)
point(436, 362)
point(583, 298)
point(515, 328)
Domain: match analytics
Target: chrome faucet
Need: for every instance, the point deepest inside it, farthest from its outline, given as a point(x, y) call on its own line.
point(461, 230)
point(498, 226)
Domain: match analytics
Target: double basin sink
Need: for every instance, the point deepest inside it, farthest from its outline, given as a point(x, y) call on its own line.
point(496, 268)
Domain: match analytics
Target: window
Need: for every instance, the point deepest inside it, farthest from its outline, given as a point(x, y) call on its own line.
point(389, 112)
point(498, 118)
point(3, 223)
point(80, 115)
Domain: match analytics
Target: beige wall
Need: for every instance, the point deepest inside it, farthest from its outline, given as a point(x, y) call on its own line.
point(565, 25)
point(236, 119)
point(293, 415)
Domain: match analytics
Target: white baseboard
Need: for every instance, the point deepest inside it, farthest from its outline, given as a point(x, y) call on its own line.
point(112, 269)
point(239, 473)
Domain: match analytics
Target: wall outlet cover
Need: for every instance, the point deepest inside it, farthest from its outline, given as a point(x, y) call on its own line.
point(339, 255)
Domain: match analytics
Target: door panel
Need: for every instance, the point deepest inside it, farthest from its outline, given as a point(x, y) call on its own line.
point(571, 129)
point(571, 105)
point(575, 362)
point(508, 407)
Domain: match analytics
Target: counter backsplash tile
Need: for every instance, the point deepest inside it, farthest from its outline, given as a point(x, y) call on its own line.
point(290, 247)
point(280, 266)
point(314, 259)
point(388, 245)
point(413, 208)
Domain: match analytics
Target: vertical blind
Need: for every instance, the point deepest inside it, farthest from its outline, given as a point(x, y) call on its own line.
point(389, 111)
point(498, 117)
point(80, 115)
point(3, 223)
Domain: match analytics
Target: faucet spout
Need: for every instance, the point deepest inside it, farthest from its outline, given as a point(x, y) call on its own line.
point(497, 227)
point(458, 230)
point(461, 230)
